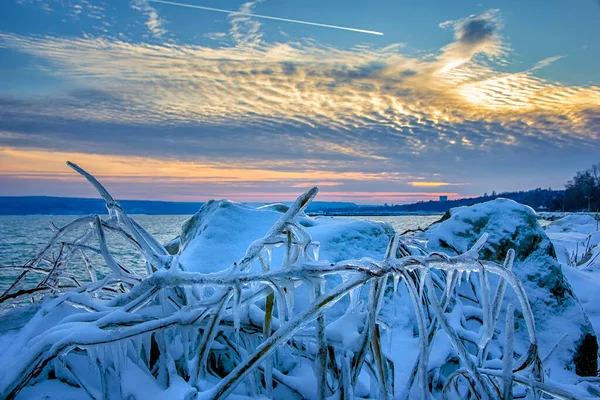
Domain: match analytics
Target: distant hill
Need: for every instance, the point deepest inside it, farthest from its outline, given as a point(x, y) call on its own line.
point(45, 205)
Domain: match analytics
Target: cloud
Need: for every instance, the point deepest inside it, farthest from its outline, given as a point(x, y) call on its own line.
point(154, 23)
point(302, 106)
point(18, 162)
point(211, 179)
point(245, 31)
point(75, 9)
point(476, 30)
point(215, 35)
point(428, 184)
point(306, 85)
point(545, 62)
point(474, 35)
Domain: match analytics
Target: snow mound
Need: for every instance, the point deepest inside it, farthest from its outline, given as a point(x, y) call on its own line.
point(511, 225)
point(585, 224)
point(576, 239)
point(221, 231)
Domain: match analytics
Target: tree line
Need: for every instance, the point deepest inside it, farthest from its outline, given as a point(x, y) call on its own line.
point(583, 191)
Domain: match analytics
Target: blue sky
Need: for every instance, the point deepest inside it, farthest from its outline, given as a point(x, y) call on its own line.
point(169, 102)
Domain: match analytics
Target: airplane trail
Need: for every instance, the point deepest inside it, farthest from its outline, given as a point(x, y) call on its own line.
point(295, 21)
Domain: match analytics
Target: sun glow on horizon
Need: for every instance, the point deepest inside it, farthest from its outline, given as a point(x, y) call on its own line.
point(213, 180)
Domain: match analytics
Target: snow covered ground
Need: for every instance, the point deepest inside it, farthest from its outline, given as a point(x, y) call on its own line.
point(576, 239)
point(268, 302)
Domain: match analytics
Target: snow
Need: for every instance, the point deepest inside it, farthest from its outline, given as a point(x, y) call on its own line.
point(578, 235)
point(512, 225)
point(586, 285)
point(576, 239)
point(400, 311)
point(219, 234)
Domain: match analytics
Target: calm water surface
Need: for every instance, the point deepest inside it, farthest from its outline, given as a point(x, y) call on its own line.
point(23, 237)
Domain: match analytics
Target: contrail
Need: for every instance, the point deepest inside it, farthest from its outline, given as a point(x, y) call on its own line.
point(345, 28)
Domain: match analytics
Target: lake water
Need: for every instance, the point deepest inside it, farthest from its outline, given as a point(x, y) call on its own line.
point(23, 237)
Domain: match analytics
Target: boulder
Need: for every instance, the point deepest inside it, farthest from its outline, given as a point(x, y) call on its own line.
point(221, 231)
point(556, 308)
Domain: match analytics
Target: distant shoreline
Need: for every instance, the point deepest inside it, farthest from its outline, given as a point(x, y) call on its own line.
point(43, 205)
point(372, 214)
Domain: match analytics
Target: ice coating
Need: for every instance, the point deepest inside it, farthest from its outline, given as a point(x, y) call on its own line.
point(200, 326)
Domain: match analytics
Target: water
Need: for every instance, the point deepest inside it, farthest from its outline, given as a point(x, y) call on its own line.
point(402, 223)
point(23, 237)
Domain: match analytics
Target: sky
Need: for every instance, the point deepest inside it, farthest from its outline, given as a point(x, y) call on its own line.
point(391, 102)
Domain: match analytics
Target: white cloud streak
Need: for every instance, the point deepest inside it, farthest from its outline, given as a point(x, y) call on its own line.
point(154, 23)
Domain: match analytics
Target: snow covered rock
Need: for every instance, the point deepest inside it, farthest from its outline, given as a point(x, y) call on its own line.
point(221, 231)
point(557, 310)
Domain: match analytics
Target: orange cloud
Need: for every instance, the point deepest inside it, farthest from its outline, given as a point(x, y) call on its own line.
point(428, 184)
point(50, 165)
point(433, 184)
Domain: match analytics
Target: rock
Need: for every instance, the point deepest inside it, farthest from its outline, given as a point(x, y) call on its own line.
point(556, 308)
point(221, 231)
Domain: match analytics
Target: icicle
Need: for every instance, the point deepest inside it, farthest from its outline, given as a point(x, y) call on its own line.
point(185, 341)
point(487, 331)
point(92, 355)
point(296, 251)
point(287, 258)
point(315, 248)
point(422, 277)
point(57, 365)
point(396, 280)
point(392, 248)
point(269, 254)
point(288, 291)
point(281, 305)
point(114, 353)
point(147, 345)
point(198, 292)
point(311, 287)
point(509, 342)
point(235, 310)
point(449, 288)
point(123, 353)
point(101, 356)
point(354, 296)
point(136, 343)
point(459, 277)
